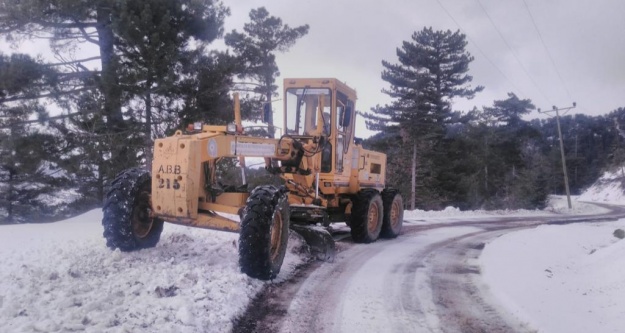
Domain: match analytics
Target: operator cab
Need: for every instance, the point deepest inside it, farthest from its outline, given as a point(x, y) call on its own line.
point(321, 109)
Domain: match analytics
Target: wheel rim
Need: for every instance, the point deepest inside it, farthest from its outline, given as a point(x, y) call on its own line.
point(141, 220)
point(373, 218)
point(395, 213)
point(276, 236)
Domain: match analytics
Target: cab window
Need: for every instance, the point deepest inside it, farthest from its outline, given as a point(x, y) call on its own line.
point(303, 106)
point(344, 114)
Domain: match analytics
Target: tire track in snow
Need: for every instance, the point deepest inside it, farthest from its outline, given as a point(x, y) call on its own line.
point(425, 280)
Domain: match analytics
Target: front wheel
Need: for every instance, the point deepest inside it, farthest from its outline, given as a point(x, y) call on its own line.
point(127, 213)
point(264, 232)
point(366, 217)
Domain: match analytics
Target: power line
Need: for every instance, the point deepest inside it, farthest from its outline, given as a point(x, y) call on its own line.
point(553, 63)
point(479, 49)
point(513, 52)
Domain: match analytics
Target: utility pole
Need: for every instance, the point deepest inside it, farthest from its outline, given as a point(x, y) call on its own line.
point(566, 177)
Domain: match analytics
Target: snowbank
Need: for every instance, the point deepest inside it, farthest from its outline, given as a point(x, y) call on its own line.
point(608, 189)
point(60, 277)
point(566, 278)
point(557, 206)
point(560, 278)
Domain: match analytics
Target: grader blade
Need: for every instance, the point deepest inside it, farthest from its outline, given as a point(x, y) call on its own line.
point(318, 239)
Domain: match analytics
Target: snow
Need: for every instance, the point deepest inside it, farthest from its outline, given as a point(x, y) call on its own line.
point(61, 277)
point(567, 278)
point(560, 279)
point(608, 189)
point(557, 206)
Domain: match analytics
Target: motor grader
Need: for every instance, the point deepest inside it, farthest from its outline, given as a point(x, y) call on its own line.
point(327, 175)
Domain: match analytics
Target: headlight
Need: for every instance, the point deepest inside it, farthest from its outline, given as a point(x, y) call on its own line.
point(197, 126)
point(231, 128)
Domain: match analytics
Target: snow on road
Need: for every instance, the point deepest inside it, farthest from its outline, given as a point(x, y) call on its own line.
point(380, 287)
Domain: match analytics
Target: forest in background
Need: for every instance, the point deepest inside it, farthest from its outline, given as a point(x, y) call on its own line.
point(68, 127)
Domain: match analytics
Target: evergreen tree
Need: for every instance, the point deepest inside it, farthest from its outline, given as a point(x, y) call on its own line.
point(513, 157)
point(143, 47)
point(207, 87)
point(30, 170)
point(154, 43)
point(431, 72)
point(509, 111)
point(256, 48)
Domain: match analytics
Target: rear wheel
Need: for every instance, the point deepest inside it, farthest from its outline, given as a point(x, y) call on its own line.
point(127, 221)
point(366, 217)
point(393, 217)
point(264, 232)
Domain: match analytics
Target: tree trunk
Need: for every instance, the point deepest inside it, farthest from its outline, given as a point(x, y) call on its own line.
point(486, 180)
point(100, 176)
point(10, 197)
point(413, 194)
point(110, 89)
point(148, 128)
point(272, 129)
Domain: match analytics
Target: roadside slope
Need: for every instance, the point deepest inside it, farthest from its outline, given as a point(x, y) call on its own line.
point(563, 278)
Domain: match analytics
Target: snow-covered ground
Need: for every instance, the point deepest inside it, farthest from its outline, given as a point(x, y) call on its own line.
point(560, 278)
point(60, 277)
point(568, 278)
point(608, 189)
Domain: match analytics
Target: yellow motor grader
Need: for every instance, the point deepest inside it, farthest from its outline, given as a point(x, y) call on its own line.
point(328, 177)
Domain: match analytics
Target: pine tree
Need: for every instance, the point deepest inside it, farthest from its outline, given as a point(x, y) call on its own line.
point(256, 47)
point(431, 72)
point(143, 52)
point(30, 170)
point(155, 41)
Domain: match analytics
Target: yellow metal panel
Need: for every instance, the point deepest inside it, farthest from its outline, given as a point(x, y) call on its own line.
point(232, 199)
point(220, 208)
point(164, 172)
point(208, 221)
point(372, 167)
point(176, 176)
point(213, 128)
point(186, 197)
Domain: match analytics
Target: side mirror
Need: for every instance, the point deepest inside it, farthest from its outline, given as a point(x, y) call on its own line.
point(346, 116)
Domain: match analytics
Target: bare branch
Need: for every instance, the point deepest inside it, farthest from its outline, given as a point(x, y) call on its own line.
point(52, 94)
point(88, 37)
point(74, 61)
point(75, 25)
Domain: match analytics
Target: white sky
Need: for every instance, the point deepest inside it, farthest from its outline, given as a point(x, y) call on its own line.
point(348, 39)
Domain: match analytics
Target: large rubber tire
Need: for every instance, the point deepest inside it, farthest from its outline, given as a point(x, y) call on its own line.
point(393, 217)
point(366, 218)
point(264, 232)
point(127, 222)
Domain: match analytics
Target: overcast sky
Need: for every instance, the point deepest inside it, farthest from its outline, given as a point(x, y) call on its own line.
point(348, 39)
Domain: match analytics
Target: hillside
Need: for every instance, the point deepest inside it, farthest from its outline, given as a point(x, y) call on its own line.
point(607, 189)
